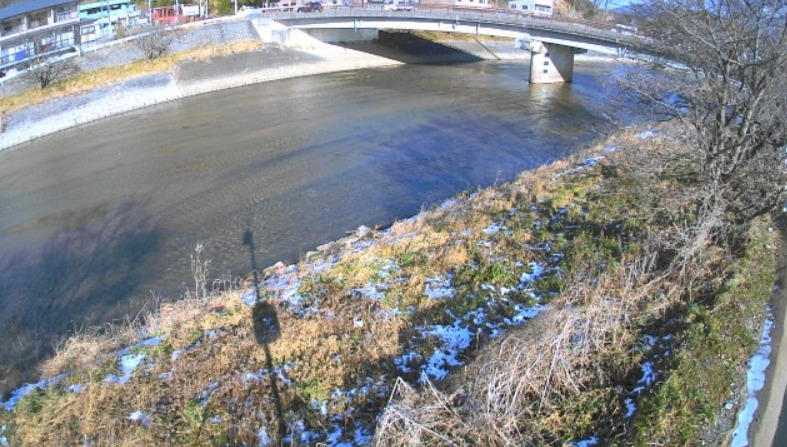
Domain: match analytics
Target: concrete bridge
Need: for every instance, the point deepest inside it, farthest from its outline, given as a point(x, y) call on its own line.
point(552, 42)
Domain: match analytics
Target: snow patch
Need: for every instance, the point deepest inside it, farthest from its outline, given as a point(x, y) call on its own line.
point(587, 163)
point(455, 339)
point(755, 380)
point(403, 361)
point(536, 271)
point(450, 203)
point(646, 134)
point(522, 314)
point(438, 287)
point(128, 364)
point(631, 408)
point(23, 391)
point(589, 442)
point(152, 341)
point(648, 378)
point(249, 296)
point(372, 292)
point(265, 440)
point(492, 229)
point(140, 417)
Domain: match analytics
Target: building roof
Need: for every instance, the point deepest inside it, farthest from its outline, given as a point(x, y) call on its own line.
point(26, 6)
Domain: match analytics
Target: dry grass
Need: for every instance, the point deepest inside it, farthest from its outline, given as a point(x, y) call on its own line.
point(563, 376)
point(514, 394)
point(88, 81)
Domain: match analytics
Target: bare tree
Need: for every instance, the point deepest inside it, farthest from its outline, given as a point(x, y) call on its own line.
point(722, 75)
point(154, 43)
point(4, 119)
point(581, 8)
point(199, 271)
point(44, 71)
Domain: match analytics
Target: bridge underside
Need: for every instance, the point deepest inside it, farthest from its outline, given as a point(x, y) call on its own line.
point(552, 54)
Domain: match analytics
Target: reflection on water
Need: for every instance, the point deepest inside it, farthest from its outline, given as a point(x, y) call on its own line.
point(93, 219)
point(87, 271)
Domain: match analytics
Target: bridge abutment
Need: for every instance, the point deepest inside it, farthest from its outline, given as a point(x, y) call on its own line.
point(551, 63)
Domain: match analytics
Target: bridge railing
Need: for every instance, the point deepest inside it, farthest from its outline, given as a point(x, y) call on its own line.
point(495, 13)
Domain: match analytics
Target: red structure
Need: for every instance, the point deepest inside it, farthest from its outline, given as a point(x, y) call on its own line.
point(175, 14)
point(167, 14)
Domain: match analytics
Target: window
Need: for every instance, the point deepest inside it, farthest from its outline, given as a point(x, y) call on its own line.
point(546, 63)
point(546, 71)
point(524, 7)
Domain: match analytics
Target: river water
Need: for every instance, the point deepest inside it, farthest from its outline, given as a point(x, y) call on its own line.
point(96, 220)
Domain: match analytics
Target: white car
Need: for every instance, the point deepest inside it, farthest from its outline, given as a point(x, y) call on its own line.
point(398, 7)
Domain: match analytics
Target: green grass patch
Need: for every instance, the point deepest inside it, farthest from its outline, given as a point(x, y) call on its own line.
point(710, 353)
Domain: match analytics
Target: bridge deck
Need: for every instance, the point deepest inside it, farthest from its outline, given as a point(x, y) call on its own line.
point(600, 33)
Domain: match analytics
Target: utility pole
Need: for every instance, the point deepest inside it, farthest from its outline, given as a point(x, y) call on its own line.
point(109, 20)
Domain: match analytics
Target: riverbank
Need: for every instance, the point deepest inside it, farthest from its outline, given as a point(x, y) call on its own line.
point(378, 326)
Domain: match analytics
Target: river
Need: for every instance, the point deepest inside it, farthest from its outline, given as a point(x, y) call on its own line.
point(97, 220)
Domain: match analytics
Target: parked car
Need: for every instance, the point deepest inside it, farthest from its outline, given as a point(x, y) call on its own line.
point(398, 7)
point(310, 7)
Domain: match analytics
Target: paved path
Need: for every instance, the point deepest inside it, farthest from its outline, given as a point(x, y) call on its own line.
point(764, 433)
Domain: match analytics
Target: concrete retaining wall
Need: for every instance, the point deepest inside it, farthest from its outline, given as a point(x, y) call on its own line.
point(112, 54)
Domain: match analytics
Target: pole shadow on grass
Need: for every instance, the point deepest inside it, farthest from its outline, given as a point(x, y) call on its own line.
point(266, 330)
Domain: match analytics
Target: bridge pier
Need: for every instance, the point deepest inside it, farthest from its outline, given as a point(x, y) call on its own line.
point(551, 63)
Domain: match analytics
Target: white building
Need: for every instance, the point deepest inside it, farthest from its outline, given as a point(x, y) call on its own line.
point(36, 28)
point(536, 7)
point(474, 3)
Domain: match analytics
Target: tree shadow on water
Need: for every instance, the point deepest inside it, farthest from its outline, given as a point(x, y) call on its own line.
point(266, 330)
point(85, 273)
